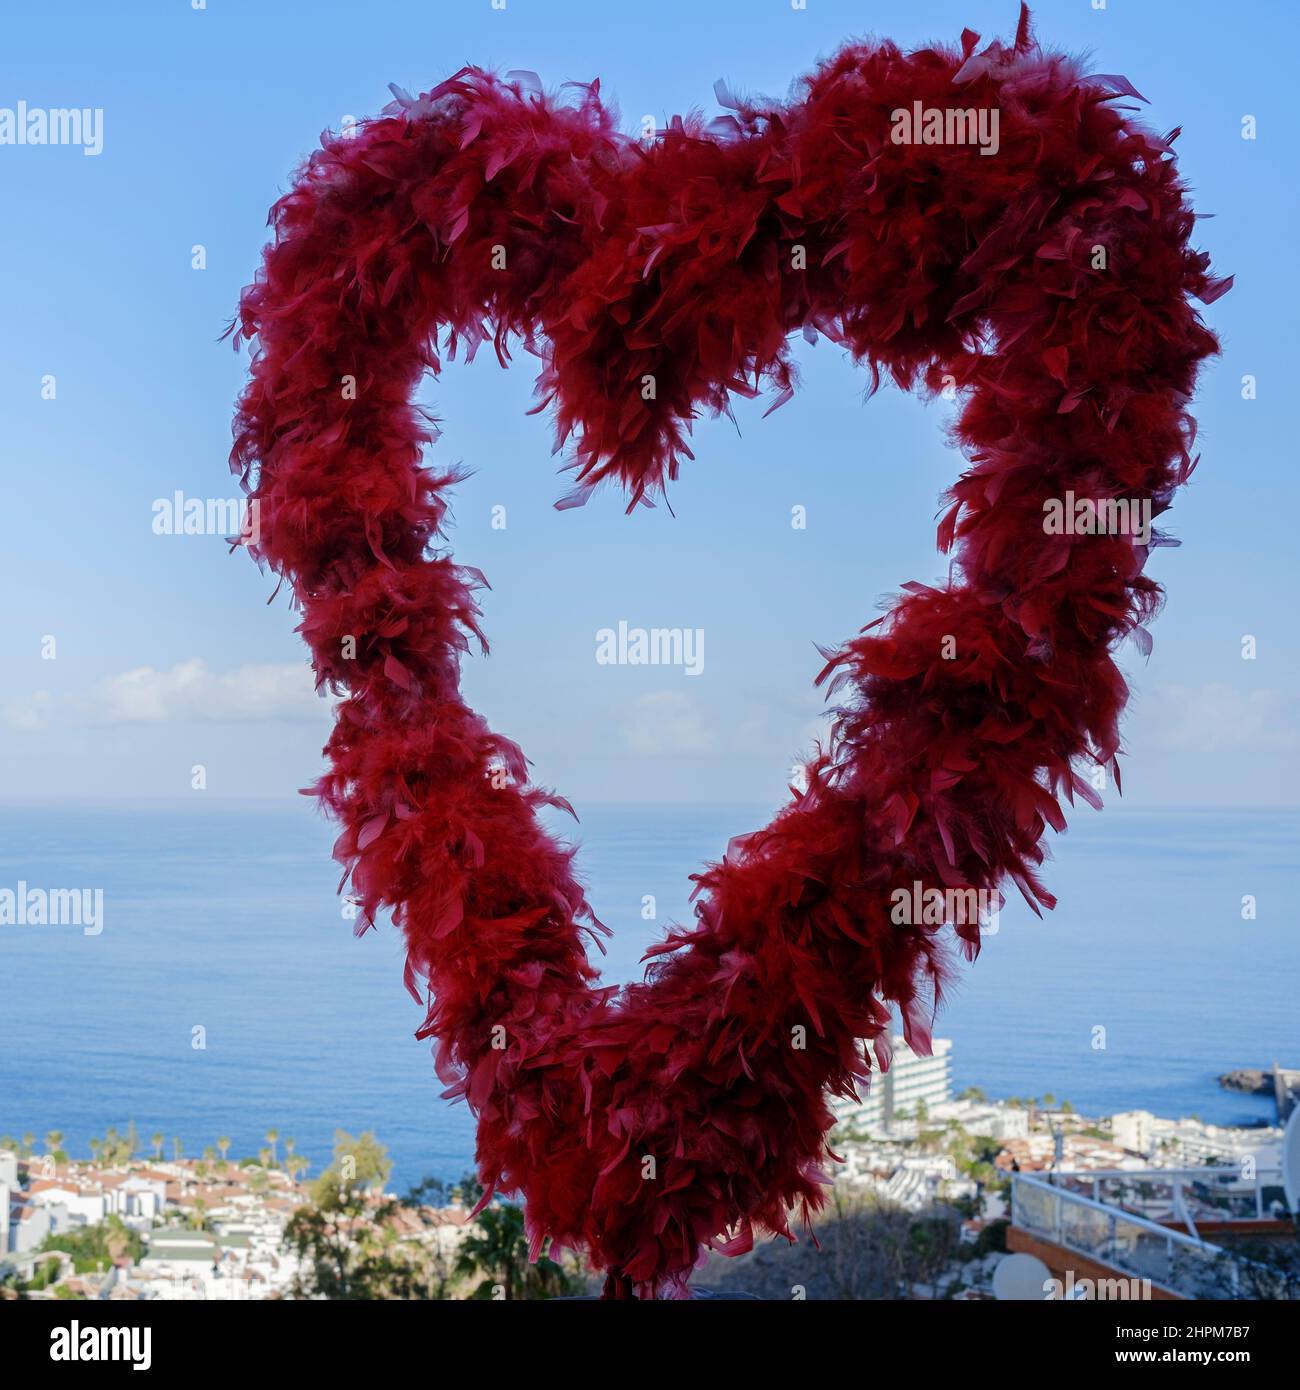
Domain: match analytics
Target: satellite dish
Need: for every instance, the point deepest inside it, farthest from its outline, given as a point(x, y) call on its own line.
point(1021, 1278)
point(1291, 1161)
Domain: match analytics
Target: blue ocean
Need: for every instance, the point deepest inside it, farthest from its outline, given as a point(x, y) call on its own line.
point(222, 917)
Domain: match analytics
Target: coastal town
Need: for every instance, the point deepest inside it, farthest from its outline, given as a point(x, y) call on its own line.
point(976, 1176)
point(124, 1226)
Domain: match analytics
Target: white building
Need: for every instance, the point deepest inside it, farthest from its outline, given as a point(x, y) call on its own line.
point(984, 1119)
point(228, 1265)
point(81, 1204)
point(182, 1254)
point(1133, 1130)
point(1192, 1141)
point(140, 1201)
point(25, 1225)
point(913, 1085)
point(918, 1182)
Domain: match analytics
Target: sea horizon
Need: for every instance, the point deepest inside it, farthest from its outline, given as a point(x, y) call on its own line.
point(222, 916)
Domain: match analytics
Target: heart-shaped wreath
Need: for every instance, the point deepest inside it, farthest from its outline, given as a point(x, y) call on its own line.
point(1046, 284)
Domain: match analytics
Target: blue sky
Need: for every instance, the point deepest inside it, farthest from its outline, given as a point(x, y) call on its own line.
point(168, 654)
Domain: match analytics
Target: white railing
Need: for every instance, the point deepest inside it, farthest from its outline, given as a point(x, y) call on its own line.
point(1134, 1244)
point(1207, 1194)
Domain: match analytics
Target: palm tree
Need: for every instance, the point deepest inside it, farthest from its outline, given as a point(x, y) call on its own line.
point(176, 1149)
point(53, 1141)
point(271, 1136)
point(288, 1146)
point(28, 1140)
point(224, 1145)
point(496, 1249)
point(157, 1140)
point(95, 1147)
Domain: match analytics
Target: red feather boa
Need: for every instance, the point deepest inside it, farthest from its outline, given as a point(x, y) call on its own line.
point(673, 259)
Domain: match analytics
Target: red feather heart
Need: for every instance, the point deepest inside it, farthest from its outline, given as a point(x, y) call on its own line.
point(1047, 284)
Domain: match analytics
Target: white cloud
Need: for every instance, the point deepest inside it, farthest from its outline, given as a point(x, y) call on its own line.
point(667, 722)
point(1219, 716)
point(189, 691)
point(248, 694)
